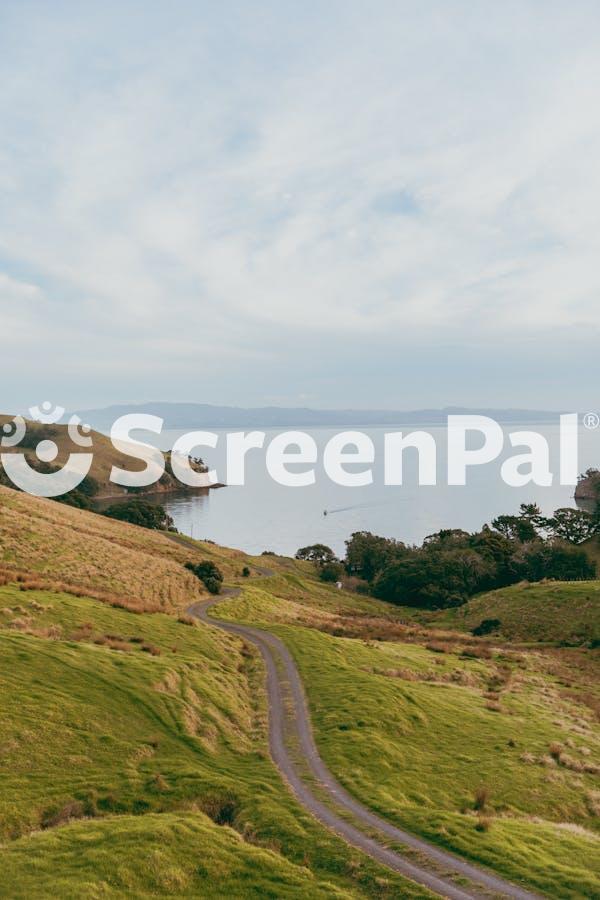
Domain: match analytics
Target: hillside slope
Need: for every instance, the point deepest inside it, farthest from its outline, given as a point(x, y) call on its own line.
point(490, 751)
point(134, 744)
point(553, 611)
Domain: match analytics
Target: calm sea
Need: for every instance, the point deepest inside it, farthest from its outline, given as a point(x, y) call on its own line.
point(263, 515)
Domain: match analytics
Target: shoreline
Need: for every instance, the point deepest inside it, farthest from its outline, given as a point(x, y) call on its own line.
point(124, 494)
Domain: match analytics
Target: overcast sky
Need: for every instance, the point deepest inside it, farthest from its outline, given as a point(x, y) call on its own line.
point(300, 203)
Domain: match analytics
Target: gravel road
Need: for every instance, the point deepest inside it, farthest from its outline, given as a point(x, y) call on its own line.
point(438, 867)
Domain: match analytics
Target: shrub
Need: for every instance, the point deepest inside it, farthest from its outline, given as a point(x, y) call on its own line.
point(60, 815)
point(487, 626)
point(438, 647)
point(477, 653)
point(208, 573)
point(331, 571)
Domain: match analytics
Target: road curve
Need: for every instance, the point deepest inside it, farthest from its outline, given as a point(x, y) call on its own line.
point(282, 672)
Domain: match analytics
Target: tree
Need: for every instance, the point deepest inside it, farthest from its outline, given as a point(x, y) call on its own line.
point(533, 513)
point(447, 537)
point(558, 561)
point(515, 528)
point(527, 526)
point(501, 550)
point(573, 525)
point(434, 579)
point(367, 554)
point(317, 553)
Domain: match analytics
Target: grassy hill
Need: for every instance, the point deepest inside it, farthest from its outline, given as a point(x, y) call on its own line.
point(547, 612)
point(88, 551)
point(491, 751)
point(105, 457)
point(168, 855)
point(135, 743)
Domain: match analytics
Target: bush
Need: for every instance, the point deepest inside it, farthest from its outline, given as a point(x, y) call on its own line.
point(487, 626)
point(558, 561)
point(246, 572)
point(208, 573)
point(331, 571)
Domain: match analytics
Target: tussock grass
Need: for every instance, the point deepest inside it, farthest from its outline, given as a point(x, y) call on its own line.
point(169, 855)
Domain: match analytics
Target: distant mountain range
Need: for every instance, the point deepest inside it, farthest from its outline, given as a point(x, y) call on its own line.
point(205, 415)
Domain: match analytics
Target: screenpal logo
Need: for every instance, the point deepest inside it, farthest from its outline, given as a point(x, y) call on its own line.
point(32, 480)
point(292, 458)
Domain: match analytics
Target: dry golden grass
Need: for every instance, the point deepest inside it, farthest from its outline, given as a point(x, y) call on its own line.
point(58, 546)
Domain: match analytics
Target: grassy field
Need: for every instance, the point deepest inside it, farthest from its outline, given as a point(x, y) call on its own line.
point(548, 612)
point(182, 855)
point(491, 752)
point(134, 744)
point(63, 544)
point(135, 761)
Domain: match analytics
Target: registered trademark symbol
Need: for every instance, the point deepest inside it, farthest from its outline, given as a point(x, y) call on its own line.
point(591, 421)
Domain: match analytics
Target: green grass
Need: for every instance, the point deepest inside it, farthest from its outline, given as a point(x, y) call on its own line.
point(549, 612)
point(159, 757)
point(412, 734)
point(134, 747)
point(155, 855)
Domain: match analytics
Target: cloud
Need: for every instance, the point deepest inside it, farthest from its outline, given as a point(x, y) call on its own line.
point(203, 194)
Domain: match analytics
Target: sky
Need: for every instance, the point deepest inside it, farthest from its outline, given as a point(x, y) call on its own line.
point(328, 204)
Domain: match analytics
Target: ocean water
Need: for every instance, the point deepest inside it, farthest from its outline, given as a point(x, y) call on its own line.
point(264, 515)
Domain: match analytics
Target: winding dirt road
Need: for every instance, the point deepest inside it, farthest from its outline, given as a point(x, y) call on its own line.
point(436, 869)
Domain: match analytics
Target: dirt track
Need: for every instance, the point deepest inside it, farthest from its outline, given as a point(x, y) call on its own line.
point(438, 868)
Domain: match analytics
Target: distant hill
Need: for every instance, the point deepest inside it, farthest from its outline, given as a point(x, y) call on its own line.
point(105, 457)
point(194, 415)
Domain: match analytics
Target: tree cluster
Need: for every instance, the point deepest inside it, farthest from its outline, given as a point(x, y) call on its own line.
point(453, 565)
point(140, 512)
